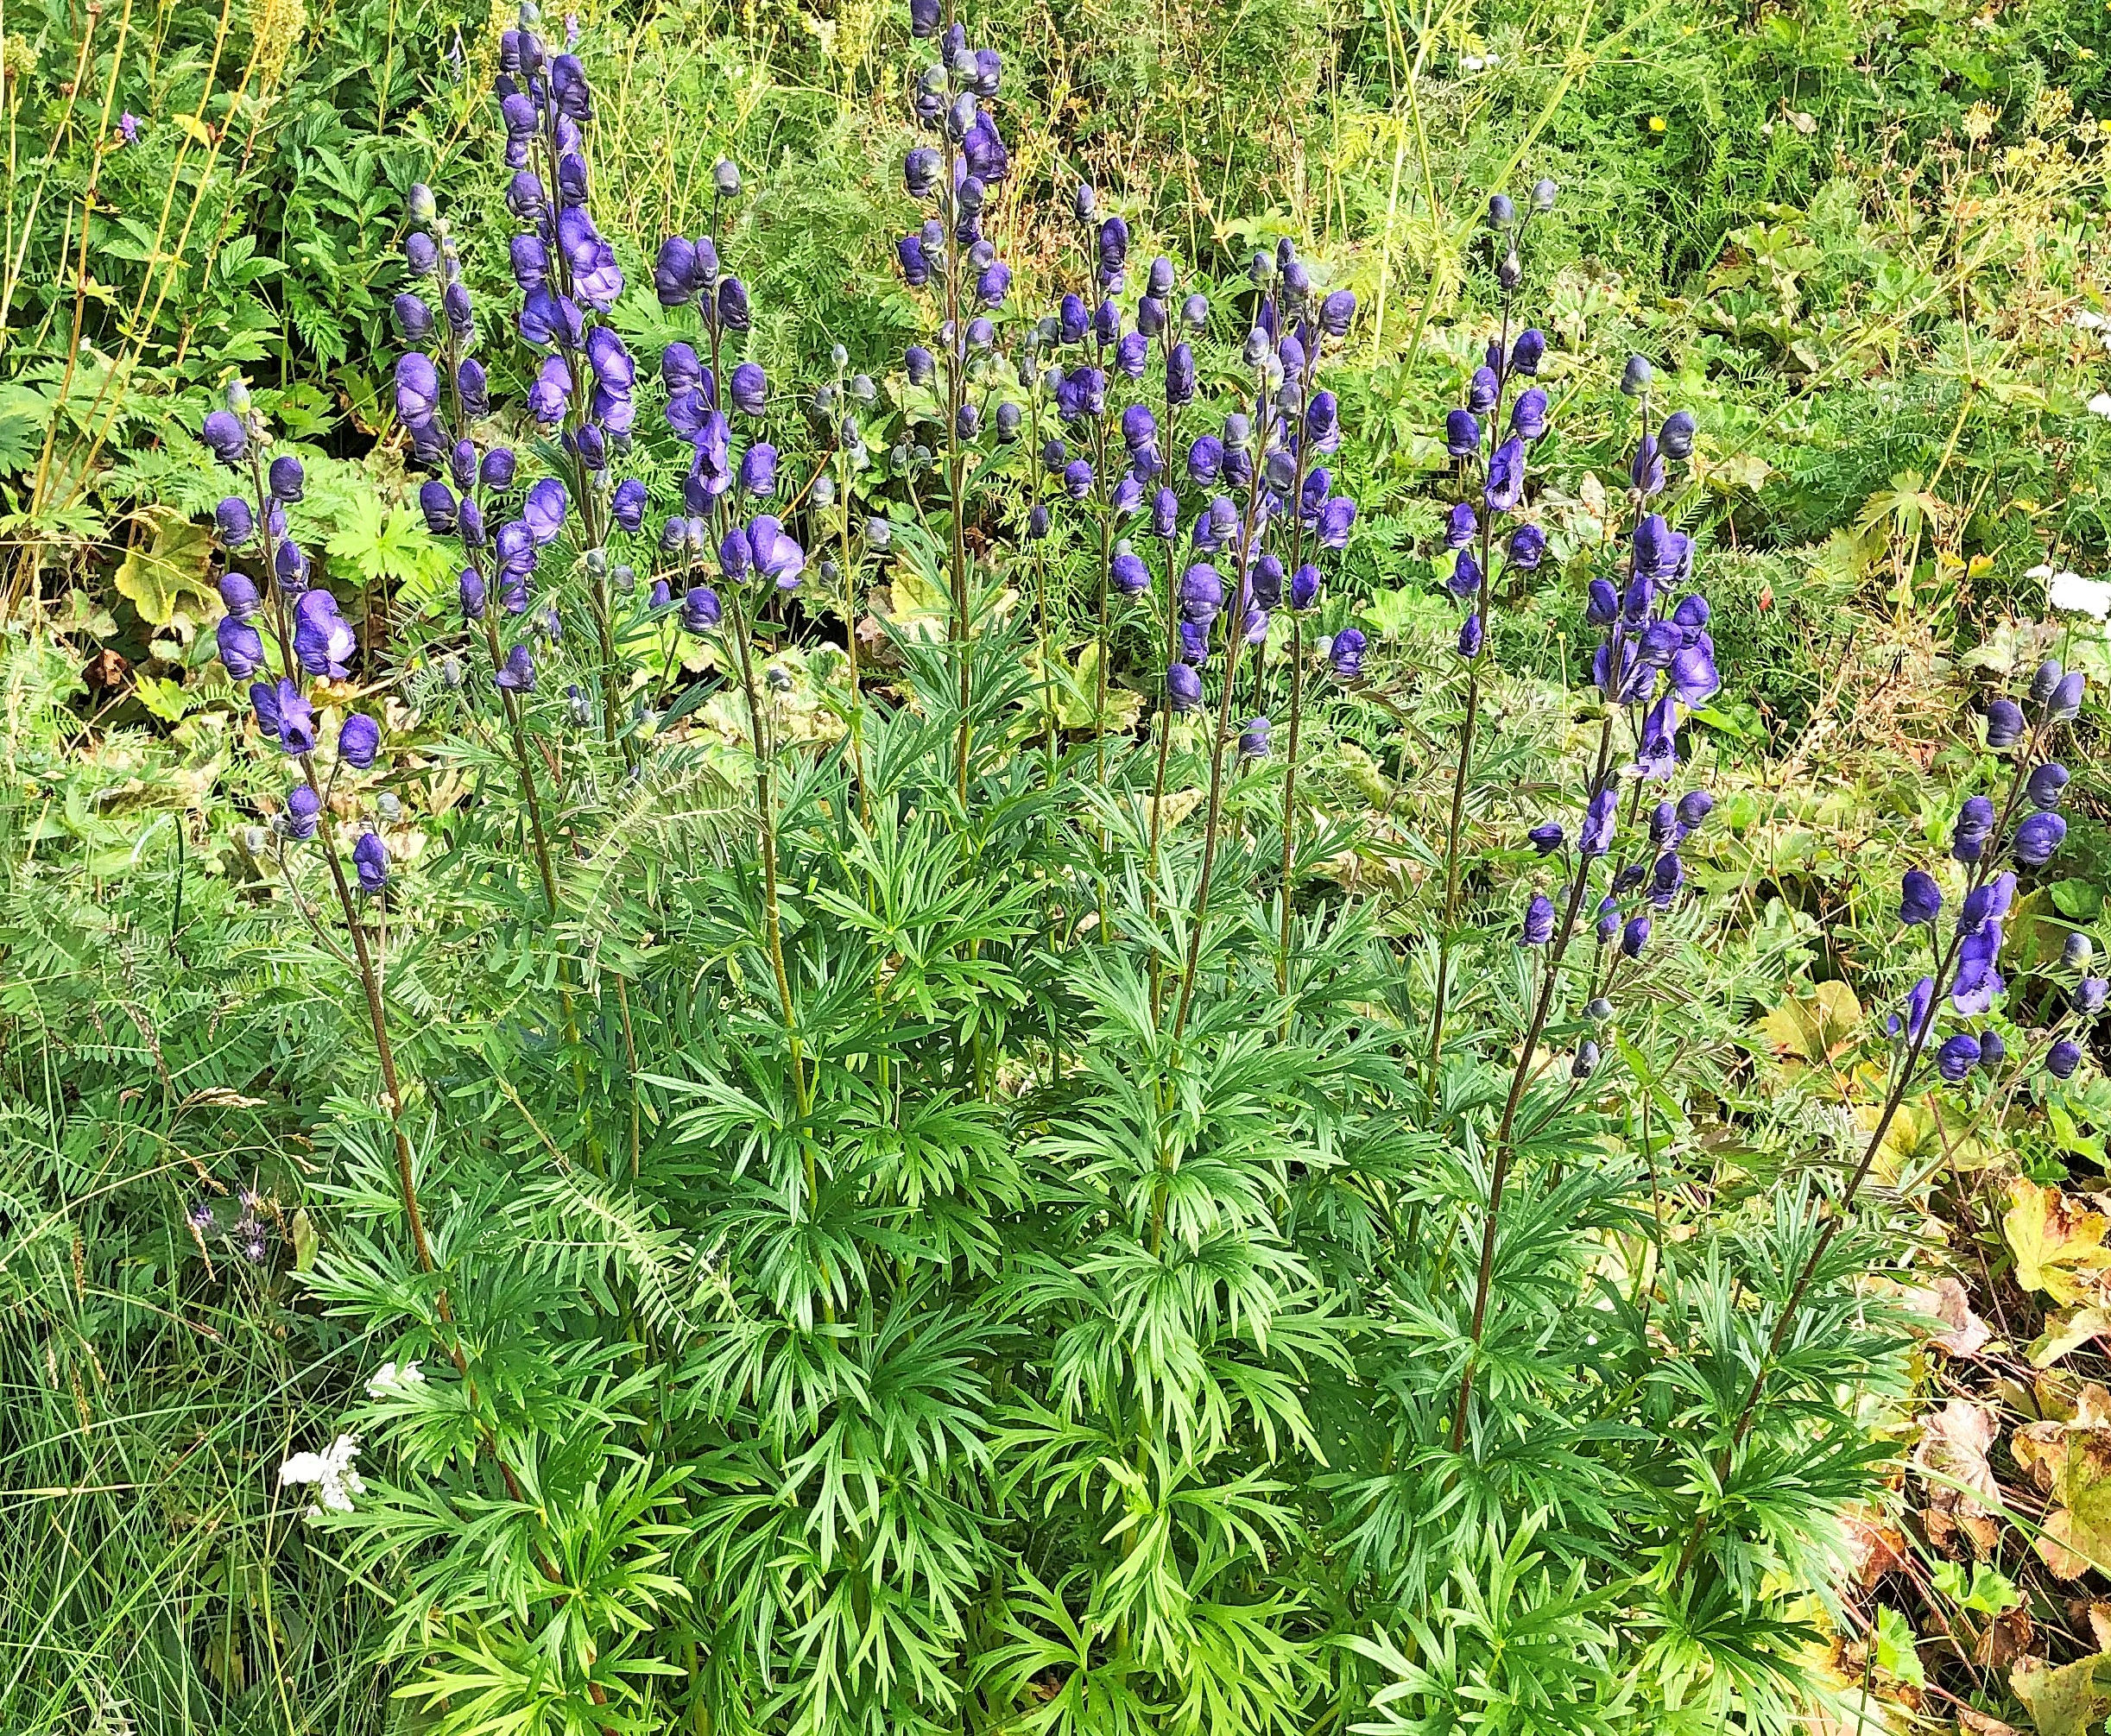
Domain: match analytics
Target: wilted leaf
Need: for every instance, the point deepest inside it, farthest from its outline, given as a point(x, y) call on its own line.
point(1961, 1489)
point(1964, 1333)
point(2057, 1248)
point(1875, 1545)
point(2066, 1701)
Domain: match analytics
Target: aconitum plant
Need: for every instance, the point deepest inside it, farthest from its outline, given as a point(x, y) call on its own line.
point(1050, 1270)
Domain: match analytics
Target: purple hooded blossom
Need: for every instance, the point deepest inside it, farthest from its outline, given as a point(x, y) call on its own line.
point(284, 714)
point(775, 555)
point(1920, 898)
point(358, 741)
point(370, 859)
point(241, 646)
point(1346, 653)
point(322, 639)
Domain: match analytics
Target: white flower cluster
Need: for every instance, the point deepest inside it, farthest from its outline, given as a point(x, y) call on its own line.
point(389, 1381)
point(2071, 594)
point(330, 1471)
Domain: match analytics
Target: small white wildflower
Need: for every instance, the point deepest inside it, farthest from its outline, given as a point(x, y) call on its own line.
point(2101, 404)
point(2089, 320)
point(2075, 595)
point(330, 1471)
point(389, 1379)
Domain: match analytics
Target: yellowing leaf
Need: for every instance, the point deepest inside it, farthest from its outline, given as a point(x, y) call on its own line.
point(2058, 1249)
point(2068, 1332)
point(2071, 1463)
point(2070, 1701)
point(1815, 1027)
point(161, 574)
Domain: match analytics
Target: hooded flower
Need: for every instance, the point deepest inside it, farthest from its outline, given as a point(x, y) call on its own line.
point(1538, 925)
point(322, 639)
point(241, 646)
point(775, 555)
point(1920, 899)
point(360, 741)
point(517, 673)
point(284, 714)
point(1346, 653)
point(223, 431)
point(370, 858)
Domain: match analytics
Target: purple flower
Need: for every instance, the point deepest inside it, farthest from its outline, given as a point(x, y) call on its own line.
point(472, 593)
point(1336, 518)
point(2091, 995)
point(2047, 784)
point(1693, 675)
point(1634, 937)
point(548, 397)
point(758, 469)
point(1527, 353)
point(1205, 460)
point(1077, 479)
point(241, 646)
point(2063, 1058)
point(1547, 837)
point(775, 555)
point(1131, 578)
point(372, 860)
point(283, 713)
point(360, 741)
point(1254, 738)
point(543, 512)
point(1596, 837)
point(1647, 469)
point(517, 673)
point(1505, 477)
point(1974, 827)
point(1528, 414)
point(1346, 653)
point(1920, 898)
point(1539, 925)
point(287, 482)
point(234, 520)
point(700, 611)
point(2037, 837)
point(496, 471)
point(322, 639)
point(2065, 703)
point(627, 505)
point(1183, 687)
point(1694, 807)
point(223, 432)
point(1462, 434)
point(1471, 635)
point(1958, 1058)
point(304, 807)
point(1202, 593)
point(674, 272)
point(1920, 1002)
point(2005, 724)
point(1676, 436)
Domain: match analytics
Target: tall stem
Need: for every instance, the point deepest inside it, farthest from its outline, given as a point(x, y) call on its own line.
point(1504, 1147)
point(766, 812)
